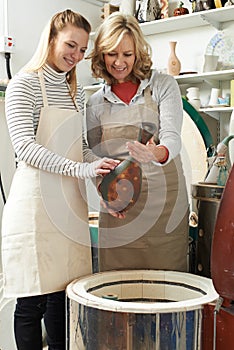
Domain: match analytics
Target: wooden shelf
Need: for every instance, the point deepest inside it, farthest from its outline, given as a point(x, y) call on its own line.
point(207, 76)
point(216, 109)
point(216, 113)
point(215, 17)
point(190, 78)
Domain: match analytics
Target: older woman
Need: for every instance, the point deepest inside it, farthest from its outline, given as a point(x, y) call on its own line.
point(152, 234)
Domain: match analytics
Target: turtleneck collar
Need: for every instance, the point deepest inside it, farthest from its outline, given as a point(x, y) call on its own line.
point(52, 76)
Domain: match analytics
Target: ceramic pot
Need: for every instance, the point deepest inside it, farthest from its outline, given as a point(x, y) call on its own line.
point(173, 65)
point(193, 93)
point(210, 63)
point(120, 188)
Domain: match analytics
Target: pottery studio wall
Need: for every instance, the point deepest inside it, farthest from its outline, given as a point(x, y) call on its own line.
point(26, 19)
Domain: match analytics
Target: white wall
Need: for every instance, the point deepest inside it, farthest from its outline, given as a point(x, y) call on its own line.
point(26, 20)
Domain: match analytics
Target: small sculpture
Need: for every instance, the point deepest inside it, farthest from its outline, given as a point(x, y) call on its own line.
point(179, 11)
point(149, 10)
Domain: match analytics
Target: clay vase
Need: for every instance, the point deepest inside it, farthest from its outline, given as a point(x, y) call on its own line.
point(173, 65)
point(121, 188)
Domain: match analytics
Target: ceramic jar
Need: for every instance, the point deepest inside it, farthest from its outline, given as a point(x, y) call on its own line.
point(210, 63)
point(193, 95)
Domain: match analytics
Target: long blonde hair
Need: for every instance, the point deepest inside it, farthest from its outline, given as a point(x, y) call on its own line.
point(57, 23)
point(108, 37)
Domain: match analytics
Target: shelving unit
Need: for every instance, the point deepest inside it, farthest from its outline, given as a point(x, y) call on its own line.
point(213, 79)
point(210, 77)
point(215, 17)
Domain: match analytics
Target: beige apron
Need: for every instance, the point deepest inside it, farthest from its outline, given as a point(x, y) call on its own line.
point(45, 232)
point(154, 234)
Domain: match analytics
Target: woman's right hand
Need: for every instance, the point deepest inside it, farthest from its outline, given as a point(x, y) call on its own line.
point(105, 165)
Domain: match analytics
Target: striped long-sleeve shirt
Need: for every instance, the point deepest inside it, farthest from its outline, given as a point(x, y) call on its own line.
point(23, 104)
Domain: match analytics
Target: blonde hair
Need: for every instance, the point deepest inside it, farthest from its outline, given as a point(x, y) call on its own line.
point(57, 23)
point(109, 35)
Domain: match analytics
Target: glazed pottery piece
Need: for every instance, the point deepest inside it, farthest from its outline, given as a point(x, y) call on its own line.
point(120, 188)
point(179, 11)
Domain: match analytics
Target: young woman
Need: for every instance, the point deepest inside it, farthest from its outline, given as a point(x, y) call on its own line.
point(153, 234)
point(45, 232)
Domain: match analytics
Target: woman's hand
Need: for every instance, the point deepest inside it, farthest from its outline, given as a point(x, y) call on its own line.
point(105, 165)
point(142, 153)
point(147, 153)
point(119, 215)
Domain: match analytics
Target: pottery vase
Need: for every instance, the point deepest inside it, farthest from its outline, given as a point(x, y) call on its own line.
point(174, 65)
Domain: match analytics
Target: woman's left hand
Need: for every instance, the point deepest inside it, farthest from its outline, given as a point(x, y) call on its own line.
point(142, 153)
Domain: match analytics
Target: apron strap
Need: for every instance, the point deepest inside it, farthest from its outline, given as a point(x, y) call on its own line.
point(148, 97)
point(43, 90)
point(73, 99)
point(153, 105)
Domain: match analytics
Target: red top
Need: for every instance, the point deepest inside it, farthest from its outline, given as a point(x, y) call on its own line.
point(125, 91)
